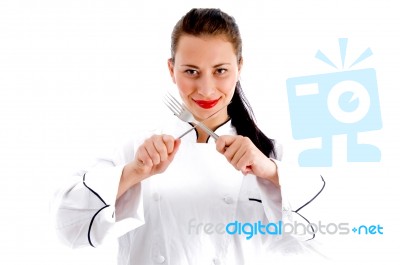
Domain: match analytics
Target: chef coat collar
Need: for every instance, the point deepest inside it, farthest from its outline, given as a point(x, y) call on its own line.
point(225, 128)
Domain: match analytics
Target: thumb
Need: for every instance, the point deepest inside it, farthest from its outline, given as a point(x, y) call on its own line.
point(177, 143)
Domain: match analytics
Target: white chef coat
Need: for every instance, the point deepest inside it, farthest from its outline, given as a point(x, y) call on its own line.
point(172, 218)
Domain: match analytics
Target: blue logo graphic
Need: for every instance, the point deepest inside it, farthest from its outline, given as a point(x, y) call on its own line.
point(368, 230)
point(344, 102)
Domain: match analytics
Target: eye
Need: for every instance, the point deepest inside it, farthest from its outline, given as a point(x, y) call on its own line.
point(191, 72)
point(221, 71)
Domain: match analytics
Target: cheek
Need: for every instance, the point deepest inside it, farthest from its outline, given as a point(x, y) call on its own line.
point(185, 85)
point(227, 87)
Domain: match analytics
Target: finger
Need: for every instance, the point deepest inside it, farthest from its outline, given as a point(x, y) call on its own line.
point(239, 157)
point(247, 170)
point(244, 164)
point(223, 142)
point(235, 150)
point(177, 143)
point(143, 158)
point(152, 151)
point(160, 148)
point(169, 142)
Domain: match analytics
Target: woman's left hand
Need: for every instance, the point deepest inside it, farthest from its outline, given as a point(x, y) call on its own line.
point(246, 157)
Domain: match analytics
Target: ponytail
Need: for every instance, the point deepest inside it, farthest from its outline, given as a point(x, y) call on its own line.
point(242, 118)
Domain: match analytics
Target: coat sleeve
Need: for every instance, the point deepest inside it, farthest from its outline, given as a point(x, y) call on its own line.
point(297, 188)
point(85, 209)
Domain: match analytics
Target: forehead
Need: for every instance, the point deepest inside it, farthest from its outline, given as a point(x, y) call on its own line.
point(205, 48)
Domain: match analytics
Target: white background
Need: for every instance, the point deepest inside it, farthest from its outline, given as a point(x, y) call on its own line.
point(77, 76)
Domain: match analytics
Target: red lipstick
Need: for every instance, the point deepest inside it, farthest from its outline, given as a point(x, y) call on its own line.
point(206, 104)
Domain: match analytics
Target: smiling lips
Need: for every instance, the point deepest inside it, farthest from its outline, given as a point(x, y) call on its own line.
point(206, 104)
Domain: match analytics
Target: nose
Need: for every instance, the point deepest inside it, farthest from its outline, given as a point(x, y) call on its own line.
point(206, 86)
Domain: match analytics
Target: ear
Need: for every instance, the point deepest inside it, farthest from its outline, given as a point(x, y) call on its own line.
point(171, 69)
point(240, 64)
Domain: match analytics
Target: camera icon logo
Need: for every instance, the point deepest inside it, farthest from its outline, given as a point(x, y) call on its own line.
point(325, 105)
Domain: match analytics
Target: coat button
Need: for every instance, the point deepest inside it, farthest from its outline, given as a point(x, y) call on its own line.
point(228, 200)
point(216, 261)
point(159, 259)
point(156, 196)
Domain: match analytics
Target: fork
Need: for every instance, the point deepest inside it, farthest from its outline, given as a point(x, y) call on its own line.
point(184, 114)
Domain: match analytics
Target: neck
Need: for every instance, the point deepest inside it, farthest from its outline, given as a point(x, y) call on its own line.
point(202, 135)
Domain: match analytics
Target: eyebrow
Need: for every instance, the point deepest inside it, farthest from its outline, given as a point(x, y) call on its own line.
point(194, 66)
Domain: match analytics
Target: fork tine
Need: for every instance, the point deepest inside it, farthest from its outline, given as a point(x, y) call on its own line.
point(168, 103)
point(172, 105)
point(174, 101)
point(169, 106)
point(180, 105)
point(172, 97)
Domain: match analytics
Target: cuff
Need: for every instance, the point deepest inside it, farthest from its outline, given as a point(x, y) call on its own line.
point(104, 182)
point(271, 199)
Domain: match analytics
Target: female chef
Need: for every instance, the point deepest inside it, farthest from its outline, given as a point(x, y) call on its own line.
point(172, 201)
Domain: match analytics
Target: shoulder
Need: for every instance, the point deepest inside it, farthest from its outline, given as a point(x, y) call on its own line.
point(226, 128)
point(278, 148)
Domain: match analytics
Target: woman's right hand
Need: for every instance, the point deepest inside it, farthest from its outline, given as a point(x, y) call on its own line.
point(152, 157)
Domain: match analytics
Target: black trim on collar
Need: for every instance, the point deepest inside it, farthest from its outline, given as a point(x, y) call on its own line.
point(219, 126)
point(197, 134)
point(208, 138)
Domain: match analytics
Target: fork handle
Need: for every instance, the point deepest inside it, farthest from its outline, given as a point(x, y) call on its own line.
point(207, 130)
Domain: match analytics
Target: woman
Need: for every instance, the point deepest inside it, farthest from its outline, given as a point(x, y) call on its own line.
point(184, 201)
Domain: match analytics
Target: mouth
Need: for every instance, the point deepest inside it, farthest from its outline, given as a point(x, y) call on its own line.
point(206, 104)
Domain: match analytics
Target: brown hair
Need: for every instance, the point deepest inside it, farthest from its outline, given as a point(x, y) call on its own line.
point(213, 22)
point(207, 22)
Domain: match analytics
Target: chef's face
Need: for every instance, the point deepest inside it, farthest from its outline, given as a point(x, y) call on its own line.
point(205, 71)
